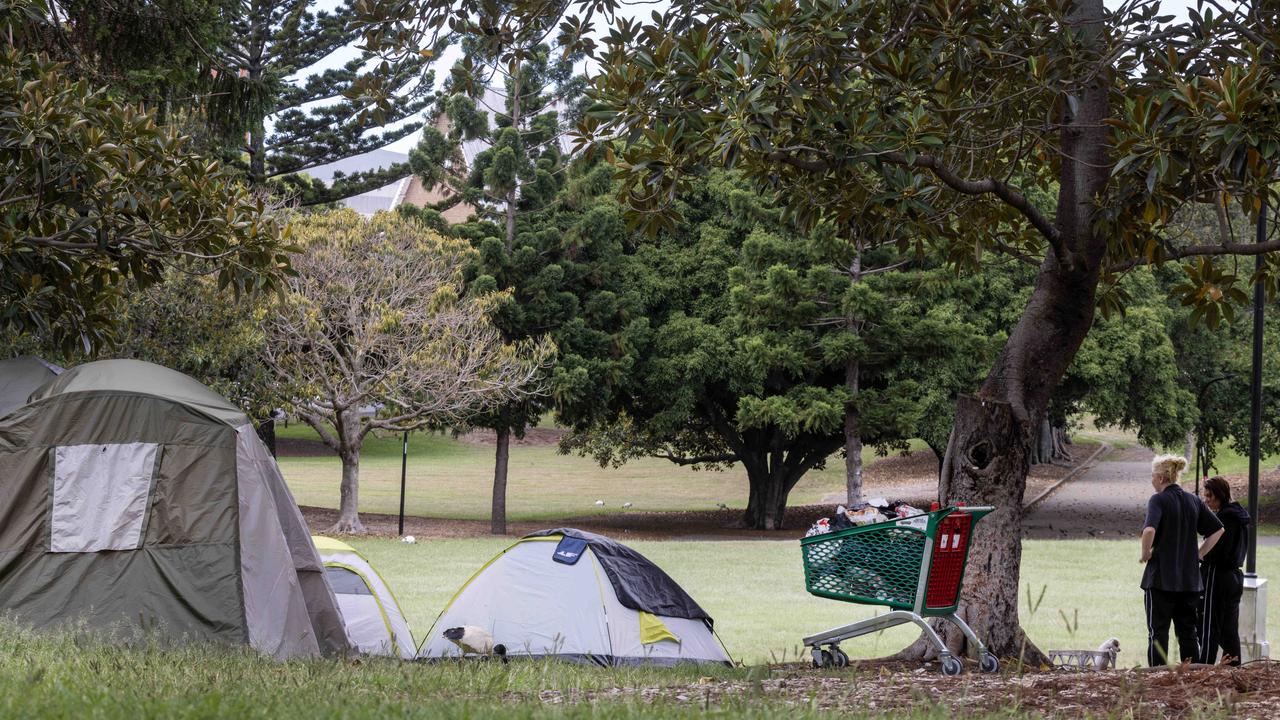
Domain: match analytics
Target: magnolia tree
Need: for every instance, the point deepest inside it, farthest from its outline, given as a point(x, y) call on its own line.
point(375, 333)
point(1060, 132)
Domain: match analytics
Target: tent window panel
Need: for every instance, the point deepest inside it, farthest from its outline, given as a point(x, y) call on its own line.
point(100, 496)
point(346, 582)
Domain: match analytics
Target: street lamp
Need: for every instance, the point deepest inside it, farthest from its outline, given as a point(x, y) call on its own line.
point(1253, 604)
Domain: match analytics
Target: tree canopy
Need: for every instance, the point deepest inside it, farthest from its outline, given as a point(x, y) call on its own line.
point(99, 200)
point(376, 332)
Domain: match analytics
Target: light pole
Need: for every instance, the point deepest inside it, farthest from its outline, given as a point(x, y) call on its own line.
point(1253, 604)
point(404, 467)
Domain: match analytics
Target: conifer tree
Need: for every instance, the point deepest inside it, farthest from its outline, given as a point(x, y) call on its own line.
point(515, 104)
point(286, 121)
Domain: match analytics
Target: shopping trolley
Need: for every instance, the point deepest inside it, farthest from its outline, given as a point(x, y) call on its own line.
point(914, 565)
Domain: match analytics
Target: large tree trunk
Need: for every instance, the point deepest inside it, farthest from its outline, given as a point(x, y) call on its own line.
point(767, 504)
point(498, 511)
point(772, 475)
point(987, 459)
point(349, 504)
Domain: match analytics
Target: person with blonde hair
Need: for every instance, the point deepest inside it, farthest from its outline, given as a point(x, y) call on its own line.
point(1171, 580)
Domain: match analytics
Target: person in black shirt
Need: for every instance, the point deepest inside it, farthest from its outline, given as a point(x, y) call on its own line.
point(1172, 576)
point(1220, 574)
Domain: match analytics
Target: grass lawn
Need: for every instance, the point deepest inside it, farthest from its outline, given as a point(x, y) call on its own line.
point(449, 478)
point(755, 590)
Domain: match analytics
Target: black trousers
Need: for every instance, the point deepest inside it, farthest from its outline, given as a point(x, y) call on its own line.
point(1220, 613)
point(1181, 608)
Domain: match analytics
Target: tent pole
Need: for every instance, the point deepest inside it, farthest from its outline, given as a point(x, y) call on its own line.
point(404, 467)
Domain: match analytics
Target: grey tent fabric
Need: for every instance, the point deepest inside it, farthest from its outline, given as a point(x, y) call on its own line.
point(638, 583)
point(122, 376)
point(21, 376)
point(213, 556)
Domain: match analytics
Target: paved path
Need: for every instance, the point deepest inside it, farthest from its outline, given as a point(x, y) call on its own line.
point(1107, 501)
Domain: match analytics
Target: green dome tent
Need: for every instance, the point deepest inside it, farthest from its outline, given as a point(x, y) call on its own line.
point(583, 597)
point(21, 376)
point(133, 496)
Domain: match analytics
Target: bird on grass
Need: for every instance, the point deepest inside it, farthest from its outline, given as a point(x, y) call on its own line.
point(599, 503)
point(722, 506)
point(626, 506)
point(474, 640)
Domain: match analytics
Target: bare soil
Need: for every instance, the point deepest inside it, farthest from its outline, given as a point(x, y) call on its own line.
point(1252, 691)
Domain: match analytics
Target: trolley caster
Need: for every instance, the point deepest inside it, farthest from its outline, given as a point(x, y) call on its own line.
point(822, 658)
point(838, 658)
point(951, 666)
point(989, 663)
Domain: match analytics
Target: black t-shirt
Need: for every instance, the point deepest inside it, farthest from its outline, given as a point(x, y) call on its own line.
point(1178, 517)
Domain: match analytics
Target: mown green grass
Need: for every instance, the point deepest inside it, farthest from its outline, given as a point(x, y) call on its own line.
point(453, 479)
point(755, 590)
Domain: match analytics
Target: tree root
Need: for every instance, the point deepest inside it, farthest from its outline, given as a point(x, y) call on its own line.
point(347, 527)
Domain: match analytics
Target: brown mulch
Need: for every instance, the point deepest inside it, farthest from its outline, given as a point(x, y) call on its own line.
point(1252, 691)
point(1268, 488)
point(701, 525)
point(533, 437)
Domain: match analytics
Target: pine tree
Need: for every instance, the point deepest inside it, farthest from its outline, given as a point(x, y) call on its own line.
point(284, 127)
point(517, 103)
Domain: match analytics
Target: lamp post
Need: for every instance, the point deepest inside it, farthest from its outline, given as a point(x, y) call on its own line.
point(404, 467)
point(1253, 604)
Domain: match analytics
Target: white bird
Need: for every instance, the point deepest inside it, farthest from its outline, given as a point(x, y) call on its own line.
point(599, 503)
point(626, 506)
point(409, 539)
point(1107, 654)
point(722, 506)
point(474, 640)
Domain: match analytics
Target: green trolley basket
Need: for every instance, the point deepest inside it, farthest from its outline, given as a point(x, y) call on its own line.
point(914, 565)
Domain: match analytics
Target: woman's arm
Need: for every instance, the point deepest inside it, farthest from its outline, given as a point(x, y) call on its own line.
point(1148, 537)
point(1209, 542)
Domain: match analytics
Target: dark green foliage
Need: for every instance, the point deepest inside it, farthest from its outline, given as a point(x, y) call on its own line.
point(315, 120)
point(99, 201)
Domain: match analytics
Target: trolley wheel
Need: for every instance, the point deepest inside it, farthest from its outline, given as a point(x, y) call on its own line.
point(951, 666)
point(989, 663)
point(839, 658)
point(822, 658)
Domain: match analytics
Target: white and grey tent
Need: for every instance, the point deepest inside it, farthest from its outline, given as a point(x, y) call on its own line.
point(579, 596)
point(21, 376)
point(131, 495)
point(373, 618)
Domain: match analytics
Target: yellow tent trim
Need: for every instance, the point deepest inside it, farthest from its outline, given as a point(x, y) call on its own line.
point(653, 630)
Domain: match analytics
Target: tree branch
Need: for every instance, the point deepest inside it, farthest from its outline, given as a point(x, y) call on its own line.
point(1246, 249)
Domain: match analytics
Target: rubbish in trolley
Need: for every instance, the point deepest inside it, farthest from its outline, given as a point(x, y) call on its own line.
point(913, 565)
point(873, 511)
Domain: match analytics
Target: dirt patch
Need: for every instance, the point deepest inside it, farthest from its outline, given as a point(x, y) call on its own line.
point(702, 525)
point(1268, 493)
point(533, 437)
point(299, 447)
point(1252, 691)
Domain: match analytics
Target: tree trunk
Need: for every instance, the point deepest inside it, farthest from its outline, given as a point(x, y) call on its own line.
point(267, 433)
point(349, 505)
point(988, 458)
point(852, 439)
point(772, 475)
point(498, 512)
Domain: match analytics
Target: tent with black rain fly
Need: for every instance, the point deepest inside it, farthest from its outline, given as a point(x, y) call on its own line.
point(132, 496)
point(579, 596)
